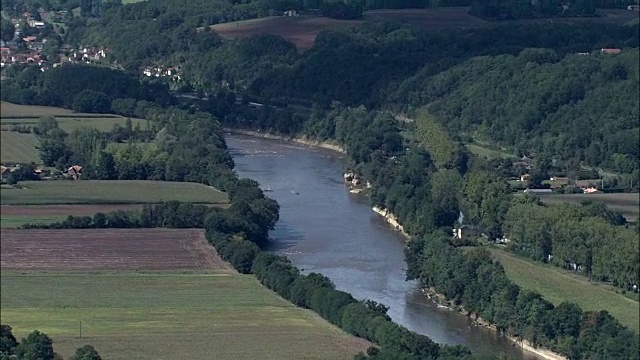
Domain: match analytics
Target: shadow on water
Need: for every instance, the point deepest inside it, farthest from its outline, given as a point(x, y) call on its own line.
point(323, 228)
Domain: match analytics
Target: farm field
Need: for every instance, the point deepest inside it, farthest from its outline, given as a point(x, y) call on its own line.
point(627, 203)
point(158, 315)
point(21, 147)
point(557, 285)
point(10, 110)
point(108, 249)
point(109, 192)
point(303, 30)
point(189, 304)
point(13, 216)
point(69, 124)
point(18, 147)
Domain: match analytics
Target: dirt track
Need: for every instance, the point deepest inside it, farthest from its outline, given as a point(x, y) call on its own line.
point(108, 249)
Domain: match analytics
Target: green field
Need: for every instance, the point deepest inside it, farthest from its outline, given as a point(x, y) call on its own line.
point(160, 315)
point(108, 192)
point(69, 124)
point(8, 109)
point(487, 152)
point(12, 222)
point(557, 285)
point(17, 147)
point(626, 203)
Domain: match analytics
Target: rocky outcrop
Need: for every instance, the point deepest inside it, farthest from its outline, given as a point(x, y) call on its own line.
point(391, 219)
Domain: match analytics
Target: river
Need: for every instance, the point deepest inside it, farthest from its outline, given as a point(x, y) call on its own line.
point(323, 228)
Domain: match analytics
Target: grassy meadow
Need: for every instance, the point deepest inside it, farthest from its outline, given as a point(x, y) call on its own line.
point(557, 285)
point(159, 315)
point(12, 222)
point(20, 147)
point(487, 152)
point(108, 192)
point(17, 147)
point(626, 203)
point(69, 124)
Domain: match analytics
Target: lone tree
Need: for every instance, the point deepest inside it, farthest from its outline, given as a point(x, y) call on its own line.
point(86, 352)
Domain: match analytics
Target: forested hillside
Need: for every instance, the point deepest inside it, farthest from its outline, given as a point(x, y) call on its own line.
point(539, 102)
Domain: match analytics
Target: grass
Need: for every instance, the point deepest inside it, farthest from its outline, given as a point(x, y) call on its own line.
point(488, 153)
point(8, 109)
point(69, 124)
point(159, 315)
point(108, 192)
point(626, 203)
point(12, 222)
point(16, 147)
point(557, 285)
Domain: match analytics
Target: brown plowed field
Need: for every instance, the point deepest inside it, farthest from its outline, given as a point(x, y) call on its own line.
point(75, 210)
point(108, 249)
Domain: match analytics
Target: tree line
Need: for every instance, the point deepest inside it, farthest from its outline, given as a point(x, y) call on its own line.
point(587, 239)
point(37, 345)
point(476, 283)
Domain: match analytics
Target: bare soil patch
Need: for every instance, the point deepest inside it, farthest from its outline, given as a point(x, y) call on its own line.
point(108, 249)
point(301, 31)
point(75, 210)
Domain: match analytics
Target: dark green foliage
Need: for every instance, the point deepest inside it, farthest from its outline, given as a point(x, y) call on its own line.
point(8, 342)
point(476, 282)
point(36, 346)
point(90, 101)
point(86, 352)
point(557, 99)
point(341, 9)
point(524, 9)
point(585, 239)
point(23, 172)
point(63, 85)
point(7, 30)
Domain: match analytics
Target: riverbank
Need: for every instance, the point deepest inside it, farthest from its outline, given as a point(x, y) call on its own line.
point(304, 140)
point(391, 219)
point(440, 300)
point(395, 223)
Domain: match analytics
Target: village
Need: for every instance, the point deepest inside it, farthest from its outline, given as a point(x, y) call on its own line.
point(36, 41)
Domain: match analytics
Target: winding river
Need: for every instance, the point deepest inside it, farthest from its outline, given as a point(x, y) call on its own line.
point(323, 228)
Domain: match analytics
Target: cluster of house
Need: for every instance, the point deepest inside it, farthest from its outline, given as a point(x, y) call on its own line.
point(607, 51)
point(74, 172)
point(173, 72)
point(86, 54)
point(31, 53)
point(525, 164)
point(11, 55)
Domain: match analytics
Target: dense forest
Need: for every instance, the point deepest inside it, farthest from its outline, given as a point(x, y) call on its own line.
point(37, 345)
point(541, 103)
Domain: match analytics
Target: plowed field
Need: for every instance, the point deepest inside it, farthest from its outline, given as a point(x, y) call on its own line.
point(108, 249)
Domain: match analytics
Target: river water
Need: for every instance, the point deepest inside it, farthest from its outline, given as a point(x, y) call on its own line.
point(323, 228)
